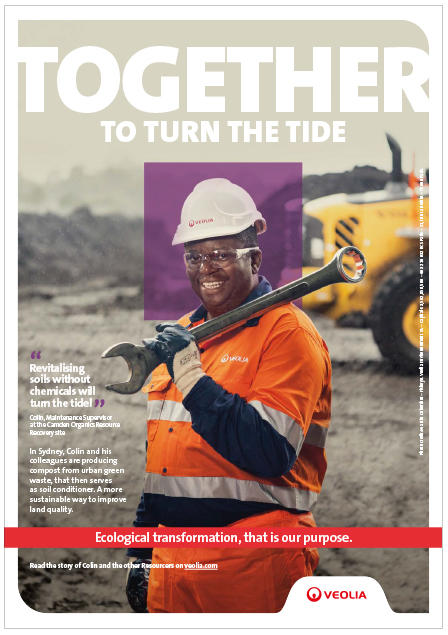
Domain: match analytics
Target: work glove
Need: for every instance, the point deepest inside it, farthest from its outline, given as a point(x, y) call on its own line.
point(137, 585)
point(175, 346)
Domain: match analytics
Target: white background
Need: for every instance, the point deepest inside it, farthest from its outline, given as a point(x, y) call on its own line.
point(298, 612)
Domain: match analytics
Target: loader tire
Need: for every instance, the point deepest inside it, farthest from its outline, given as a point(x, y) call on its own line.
point(394, 318)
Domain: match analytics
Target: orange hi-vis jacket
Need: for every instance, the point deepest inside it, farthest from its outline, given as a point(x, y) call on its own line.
point(205, 579)
point(279, 366)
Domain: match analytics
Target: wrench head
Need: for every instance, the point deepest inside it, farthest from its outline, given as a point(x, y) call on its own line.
point(135, 358)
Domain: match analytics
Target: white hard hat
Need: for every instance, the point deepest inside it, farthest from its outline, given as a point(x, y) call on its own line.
point(217, 207)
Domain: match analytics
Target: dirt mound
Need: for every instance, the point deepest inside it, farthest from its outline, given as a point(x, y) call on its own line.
point(60, 250)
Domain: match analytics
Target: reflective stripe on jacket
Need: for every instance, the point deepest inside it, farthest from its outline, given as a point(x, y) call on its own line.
point(280, 366)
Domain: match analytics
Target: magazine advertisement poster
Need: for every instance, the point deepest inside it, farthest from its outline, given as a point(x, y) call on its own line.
point(187, 447)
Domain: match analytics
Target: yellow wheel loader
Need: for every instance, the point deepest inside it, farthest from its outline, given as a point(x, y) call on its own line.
point(390, 226)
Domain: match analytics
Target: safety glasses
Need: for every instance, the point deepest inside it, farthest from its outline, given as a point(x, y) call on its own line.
point(220, 258)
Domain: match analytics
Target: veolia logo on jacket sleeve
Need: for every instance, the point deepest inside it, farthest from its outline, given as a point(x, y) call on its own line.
point(234, 358)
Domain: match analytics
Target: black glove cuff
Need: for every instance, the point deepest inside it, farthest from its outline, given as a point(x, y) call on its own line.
point(163, 352)
point(137, 585)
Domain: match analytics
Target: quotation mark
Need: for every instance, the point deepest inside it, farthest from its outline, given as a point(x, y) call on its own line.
point(99, 403)
point(35, 355)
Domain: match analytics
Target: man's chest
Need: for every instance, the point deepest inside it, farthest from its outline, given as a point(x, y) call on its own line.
point(232, 360)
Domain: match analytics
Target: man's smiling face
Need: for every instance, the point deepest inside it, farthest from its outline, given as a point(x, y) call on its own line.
point(223, 288)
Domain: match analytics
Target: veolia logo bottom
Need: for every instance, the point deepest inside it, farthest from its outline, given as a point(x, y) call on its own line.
point(314, 594)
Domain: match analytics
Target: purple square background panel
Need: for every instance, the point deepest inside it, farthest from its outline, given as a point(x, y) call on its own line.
point(277, 191)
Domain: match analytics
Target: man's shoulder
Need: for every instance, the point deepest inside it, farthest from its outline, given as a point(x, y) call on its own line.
point(289, 333)
point(290, 316)
point(286, 317)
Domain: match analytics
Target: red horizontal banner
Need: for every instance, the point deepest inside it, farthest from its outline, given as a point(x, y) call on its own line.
point(146, 537)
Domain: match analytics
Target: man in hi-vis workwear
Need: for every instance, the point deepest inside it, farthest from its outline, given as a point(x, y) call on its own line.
point(236, 428)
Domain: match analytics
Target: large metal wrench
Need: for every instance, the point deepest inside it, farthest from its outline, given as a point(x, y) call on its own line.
point(141, 361)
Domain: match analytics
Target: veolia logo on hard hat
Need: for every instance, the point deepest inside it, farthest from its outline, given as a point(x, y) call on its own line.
point(200, 221)
point(232, 207)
